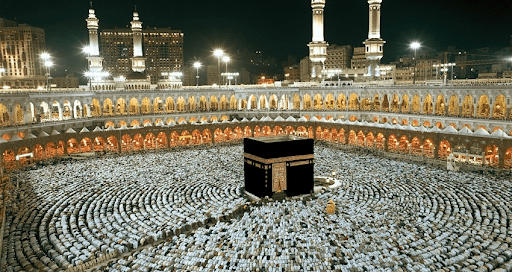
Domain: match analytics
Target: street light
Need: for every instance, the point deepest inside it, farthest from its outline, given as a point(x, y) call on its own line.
point(415, 46)
point(197, 65)
point(218, 53)
point(226, 59)
point(47, 63)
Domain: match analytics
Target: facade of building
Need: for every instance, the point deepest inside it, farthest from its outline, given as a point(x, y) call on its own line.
point(20, 49)
point(304, 67)
point(338, 57)
point(292, 73)
point(70, 81)
point(162, 48)
point(359, 60)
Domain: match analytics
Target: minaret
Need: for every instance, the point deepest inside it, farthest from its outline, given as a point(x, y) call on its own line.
point(138, 60)
point(94, 58)
point(374, 44)
point(317, 47)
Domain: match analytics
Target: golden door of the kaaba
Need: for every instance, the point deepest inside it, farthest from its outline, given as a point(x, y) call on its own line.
point(279, 177)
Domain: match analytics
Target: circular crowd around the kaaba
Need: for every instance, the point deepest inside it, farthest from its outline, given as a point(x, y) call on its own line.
point(185, 210)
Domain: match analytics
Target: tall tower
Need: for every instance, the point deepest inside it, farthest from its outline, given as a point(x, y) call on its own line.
point(317, 47)
point(138, 60)
point(374, 44)
point(95, 61)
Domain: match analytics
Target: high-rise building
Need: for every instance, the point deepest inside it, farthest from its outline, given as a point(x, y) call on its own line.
point(162, 50)
point(338, 57)
point(359, 60)
point(20, 48)
point(212, 75)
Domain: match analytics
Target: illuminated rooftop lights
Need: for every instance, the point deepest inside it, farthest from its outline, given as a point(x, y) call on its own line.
point(415, 45)
point(218, 53)
point(48, 63)
point(45, 56)
point(226, 59)
point(197, 64)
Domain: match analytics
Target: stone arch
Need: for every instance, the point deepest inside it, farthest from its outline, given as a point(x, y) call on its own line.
point(95, 108)
point(508, 159)
point(158, 106)
point(108, 108)
point(492, 155)
point(306, 102)
point(253, 102)
point(296, 102)
point(445, 149)
point(365, 104)
point(263, 102)
point(9, 159)
point(169, 105)
point(73, 146)
point(19, 116)
point(112, 144)
point(192, 105)
point(56, 111)
point(247, 132)
point(233, 103)
point(180, 104)
point(86, 145)
point(453, 106)
point(138, 142)
point(99, 144)
point(483, 109)
point(329, 102)
point(393, 144)
point(427, 105)
point(405, 103)
point(5, 118)
point(273, 104)
point(150, 141)
point(121, 107)
point(224, 105)
point(415, 107)
point(134, 108)
point(385, 103)
point(440, 105)
point(214, 104)
point(403, 144)
point(145, 106)
point(376, 103)
point(394, 106)
point(468, 106)
point(499, 110)
point(318, 103)
point(370, 140)
point(341, 102)
point(428, 148)
point(353, 103)
point(203, 103)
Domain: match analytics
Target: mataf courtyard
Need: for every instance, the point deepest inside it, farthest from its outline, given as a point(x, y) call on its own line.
point(185, 211)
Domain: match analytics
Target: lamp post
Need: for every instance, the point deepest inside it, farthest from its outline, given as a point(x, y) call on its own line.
point(226, 59)
point(218, 53)
point(47, 63)
point(197, 65)
point(415, 46)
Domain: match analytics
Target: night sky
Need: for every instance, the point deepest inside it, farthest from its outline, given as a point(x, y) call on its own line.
point(278, 28)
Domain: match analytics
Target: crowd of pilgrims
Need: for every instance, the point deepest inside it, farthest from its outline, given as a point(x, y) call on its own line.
point(185, 210)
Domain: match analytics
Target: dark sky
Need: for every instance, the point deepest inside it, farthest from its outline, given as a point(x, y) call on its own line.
point(278, 28)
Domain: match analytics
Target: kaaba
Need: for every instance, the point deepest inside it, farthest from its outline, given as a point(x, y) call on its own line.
point(279, 165)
